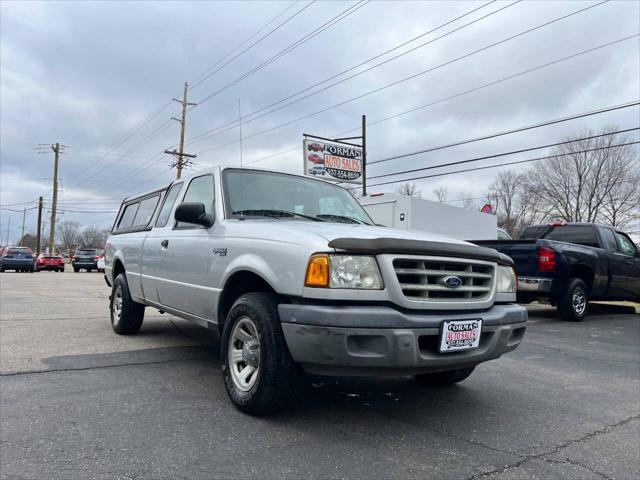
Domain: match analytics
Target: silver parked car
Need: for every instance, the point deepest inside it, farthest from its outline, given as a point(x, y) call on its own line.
point(295, 277)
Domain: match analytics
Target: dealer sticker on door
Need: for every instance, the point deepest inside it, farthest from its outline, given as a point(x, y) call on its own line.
point(460, 335)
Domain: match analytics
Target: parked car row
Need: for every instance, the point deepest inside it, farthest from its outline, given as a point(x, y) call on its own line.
point(21, 259)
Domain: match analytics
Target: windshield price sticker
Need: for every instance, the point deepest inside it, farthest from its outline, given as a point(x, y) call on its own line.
point(460, 335)
point(332, 161)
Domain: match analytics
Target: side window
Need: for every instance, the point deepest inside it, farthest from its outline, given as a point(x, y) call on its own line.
point(145, 211)
point(167, 206)
point(199, 190)
point(609, 239)
point(126, 220)
point(626, 245)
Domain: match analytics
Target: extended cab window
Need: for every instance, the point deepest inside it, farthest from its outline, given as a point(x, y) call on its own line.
point(626, 245)
point(609, 239)
point(167, 206)
point(126, 220)
point(145, 211)
point(200, 190)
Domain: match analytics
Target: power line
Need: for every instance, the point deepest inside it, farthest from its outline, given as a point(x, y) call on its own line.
point(204, 76)
point(397, 82)
point(147, 139)
point(508, 132)
point(163, 107)
point(217, 130)
point(420, 107)
point(341, 16)
point(127, 137)
point(513, 152)
point(498, 165)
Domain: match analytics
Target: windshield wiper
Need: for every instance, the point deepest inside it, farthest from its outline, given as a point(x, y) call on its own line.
point(343, 218)
point(276, 214)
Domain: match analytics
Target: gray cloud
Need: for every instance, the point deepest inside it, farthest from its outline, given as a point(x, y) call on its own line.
point(89, 77)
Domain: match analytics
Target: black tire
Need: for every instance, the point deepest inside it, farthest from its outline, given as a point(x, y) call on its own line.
point(127, 319)
point(442, 379)
point(276, 377)
point(573, 303)
point(76, 269)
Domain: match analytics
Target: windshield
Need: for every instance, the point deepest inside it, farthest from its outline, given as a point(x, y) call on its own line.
point(278, 195)
point(86, 252)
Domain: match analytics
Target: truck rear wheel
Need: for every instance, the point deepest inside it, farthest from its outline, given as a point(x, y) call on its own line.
point(573, 303)
point(442, 379)
point(126, 315)
point(259, 374)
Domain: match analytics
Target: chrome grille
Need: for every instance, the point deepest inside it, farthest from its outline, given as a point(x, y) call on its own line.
point(423, 280)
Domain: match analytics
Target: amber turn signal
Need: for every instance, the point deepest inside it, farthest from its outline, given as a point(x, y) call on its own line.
point(318, 271)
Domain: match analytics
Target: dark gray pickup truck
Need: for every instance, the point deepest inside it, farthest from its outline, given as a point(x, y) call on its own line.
point(570, 264)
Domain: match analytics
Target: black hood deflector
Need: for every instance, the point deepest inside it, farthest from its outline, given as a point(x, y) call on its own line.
point(419, 247)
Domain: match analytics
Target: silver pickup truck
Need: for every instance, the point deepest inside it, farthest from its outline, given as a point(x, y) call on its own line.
point(294, 276)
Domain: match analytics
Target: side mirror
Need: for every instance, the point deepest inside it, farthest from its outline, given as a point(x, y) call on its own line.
point(193, 212)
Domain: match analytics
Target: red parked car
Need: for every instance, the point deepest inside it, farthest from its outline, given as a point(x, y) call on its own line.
point(317, 159)
point(315, 147)
point(49, 262)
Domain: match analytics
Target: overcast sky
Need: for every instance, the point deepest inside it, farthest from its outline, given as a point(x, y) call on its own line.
point(87, 74)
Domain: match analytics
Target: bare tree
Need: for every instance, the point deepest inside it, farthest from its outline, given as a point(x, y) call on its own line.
point(409, 189)
point(468, 201)
point(513, 202)
point(441, 193)
point(68, 234)
point(94, 237)
point(588, 181)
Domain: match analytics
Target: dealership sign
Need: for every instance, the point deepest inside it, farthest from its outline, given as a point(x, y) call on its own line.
point(334, 161)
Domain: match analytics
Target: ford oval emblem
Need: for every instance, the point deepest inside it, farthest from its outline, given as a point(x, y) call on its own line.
point(452, 282)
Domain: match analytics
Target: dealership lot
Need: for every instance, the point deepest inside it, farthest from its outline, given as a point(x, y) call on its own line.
point(78, 401)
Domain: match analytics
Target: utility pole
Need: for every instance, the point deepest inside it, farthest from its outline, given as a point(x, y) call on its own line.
point(39, 233)
point(8, 228)
point(24, 215)
point(181, 163)
point(54, 202)
point(364, 155)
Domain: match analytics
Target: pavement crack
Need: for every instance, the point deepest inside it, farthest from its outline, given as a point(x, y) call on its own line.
point(557, 449)
point(449, 434)
point(568, 461)
point(98, 367)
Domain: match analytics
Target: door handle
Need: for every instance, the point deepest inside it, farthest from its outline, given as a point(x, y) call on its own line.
point(164, 243)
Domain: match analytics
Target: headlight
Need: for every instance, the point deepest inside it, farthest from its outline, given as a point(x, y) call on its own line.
point(343, 271)
point(506, 280)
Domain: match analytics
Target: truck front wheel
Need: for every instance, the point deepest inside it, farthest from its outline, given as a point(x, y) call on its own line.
point(442, 379)
point(126, 315)
point(259, 374)
point(574, 302)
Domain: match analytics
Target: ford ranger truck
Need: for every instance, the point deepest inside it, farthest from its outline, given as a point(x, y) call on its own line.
point(295, 277)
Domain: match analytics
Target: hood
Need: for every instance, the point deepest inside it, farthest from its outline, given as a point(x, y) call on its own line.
point(366, 239)
point(285, 229)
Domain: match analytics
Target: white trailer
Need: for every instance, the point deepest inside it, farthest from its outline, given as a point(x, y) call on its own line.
point(411, 213)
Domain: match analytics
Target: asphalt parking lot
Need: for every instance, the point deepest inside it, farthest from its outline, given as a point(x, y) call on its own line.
point(78, 401)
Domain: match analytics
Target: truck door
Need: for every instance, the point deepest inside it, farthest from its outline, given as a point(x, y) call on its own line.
point(629, 265)
point(184, 281)
point(152, 254)
point(616, 263)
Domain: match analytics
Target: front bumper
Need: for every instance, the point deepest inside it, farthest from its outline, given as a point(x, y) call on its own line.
point(379, 340)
